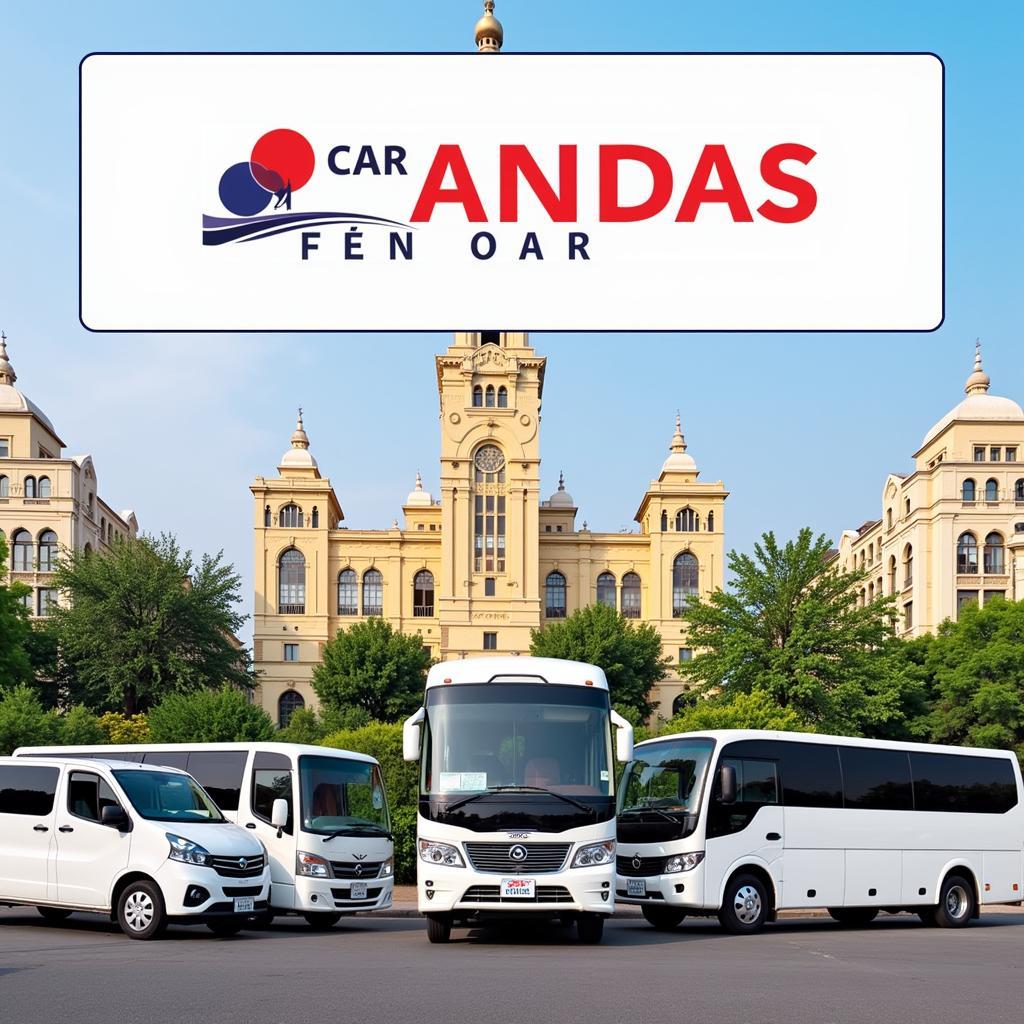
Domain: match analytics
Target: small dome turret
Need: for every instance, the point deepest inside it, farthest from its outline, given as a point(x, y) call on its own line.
point(678, 461)
point(298, 456)
point(489, 33)
point(561, 498)
point(419, 497)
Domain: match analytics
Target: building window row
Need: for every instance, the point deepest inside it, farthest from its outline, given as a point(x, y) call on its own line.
point(629, 605)
point(994, 453)
point(27, 556)
point(969, 490)
point(291, 517)
point(31, 487)
point(490, 397)
point(685, 586)
point(993, 554)
point(687, 520)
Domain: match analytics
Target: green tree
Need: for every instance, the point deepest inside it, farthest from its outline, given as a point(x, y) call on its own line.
point(372, 667)
point(792, 627)
point(143, 620)
point(630, 654)
point(15, 629)
point(303, 727)
point(976, 669)
point(209, 716)
point(401, 781)
point(24, 721)
point(80, 726)
point(122, 729)
point(753, 710)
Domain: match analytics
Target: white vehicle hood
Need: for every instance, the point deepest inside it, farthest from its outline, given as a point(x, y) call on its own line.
point(221, 840)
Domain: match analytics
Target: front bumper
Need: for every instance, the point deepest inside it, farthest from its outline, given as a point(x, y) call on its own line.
point(177, 881)
point(679, 889)
point(312, 895)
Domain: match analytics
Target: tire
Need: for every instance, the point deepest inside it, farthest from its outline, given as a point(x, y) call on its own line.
point(664, 919)
point(53, 915)
point(140, 910)
point(321, 922)
point(744, 906)
point(853, 917)
point(225, 929)
point(439, 927)
point(957, 904)
point(589, 929)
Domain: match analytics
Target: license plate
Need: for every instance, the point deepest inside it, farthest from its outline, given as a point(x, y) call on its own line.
point(636, 887)
point(357, 891)
point(518, 888)
point(244, 905)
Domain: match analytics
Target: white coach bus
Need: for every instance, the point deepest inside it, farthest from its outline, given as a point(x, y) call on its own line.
point(516, 807)
point(742, 824)
point(321, 813)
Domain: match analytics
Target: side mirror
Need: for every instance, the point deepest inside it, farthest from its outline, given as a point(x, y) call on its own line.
point(623, 738)
point(115, 816)
point(279, 815)
point(727, 784)
point(411, 736)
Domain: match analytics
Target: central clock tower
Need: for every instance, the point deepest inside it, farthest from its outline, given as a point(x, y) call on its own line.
point(490, 385)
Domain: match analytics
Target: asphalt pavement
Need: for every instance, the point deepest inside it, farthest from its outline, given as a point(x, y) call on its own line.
point(370, 970)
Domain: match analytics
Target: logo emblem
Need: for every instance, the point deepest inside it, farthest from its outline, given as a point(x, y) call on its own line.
point(359, 856)
point(242, 863)
point(359, 870)
point(636, 862)
point(518, 853)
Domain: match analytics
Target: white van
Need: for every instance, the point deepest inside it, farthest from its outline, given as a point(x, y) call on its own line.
point(144, 844)
point(321, 813)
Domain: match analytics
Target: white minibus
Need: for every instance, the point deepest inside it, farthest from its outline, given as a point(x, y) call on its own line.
point(141, 843)
point(743, 823)
point(516, 809)
point(322, 814)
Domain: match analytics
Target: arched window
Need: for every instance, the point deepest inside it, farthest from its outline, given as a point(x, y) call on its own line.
point(489, 396)
point(503, 397)
point(994, 561)
point(685, 576)
point(21, 549)
point(423, 593)
point(1018, 489)
point(892, 574)
point(606, 589)
point(45, 488)
point(373, 592)
point(287, 704)
point(478, 396)
point(967, 490)
point(554, 596)
point(967, 554)
point(5, 487)
point(314, 519)
point(266, 516)
point(30, 487)
point(683, 701)
point(291, 515)
point(348, 592)
point(291, 573)
point(908, 566)
point(687, 521)
point(664, 520)
point(888, 518)
point(631, 595)
point(489, 503)
point(906, 507)
point(991, 490)
point(47, 551)
point(711, 522)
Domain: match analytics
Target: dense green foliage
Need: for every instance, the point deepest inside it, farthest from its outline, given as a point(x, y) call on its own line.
point(143, 620)
point(753, 710)
point(209, 716)
point(373, 668)
point(15, 665)
point(629, 653)
point(24, 721)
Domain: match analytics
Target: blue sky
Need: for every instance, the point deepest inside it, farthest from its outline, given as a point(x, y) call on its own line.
point(802, 428)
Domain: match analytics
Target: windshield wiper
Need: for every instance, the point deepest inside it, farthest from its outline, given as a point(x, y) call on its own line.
point(655, 810)
point(520, 789)
point(356, 830)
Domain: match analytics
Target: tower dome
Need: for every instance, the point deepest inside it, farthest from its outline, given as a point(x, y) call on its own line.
point(419, 497)
point(678, 461)
point(298, 455)
point(489, 33)
point(13, 400)
point(561, 498)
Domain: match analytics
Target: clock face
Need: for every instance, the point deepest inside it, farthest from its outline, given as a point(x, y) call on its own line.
point(489, 459)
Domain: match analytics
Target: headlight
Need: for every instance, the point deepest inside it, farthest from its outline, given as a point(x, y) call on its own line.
point(596, 853)
point(683, 862)
point(387, 869)
point(312, 866)
point(186, 851)
point(440, 853)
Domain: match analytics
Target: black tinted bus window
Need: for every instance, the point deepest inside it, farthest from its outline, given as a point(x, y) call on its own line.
point(963, 783)
point(810, 775)
point(756, 782)
point(876, 779)
point(220, 773)
point(167, 758)
point(27, 789)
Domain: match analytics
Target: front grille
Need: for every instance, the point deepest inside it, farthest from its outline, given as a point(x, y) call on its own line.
point(643, 868)
point(492, 894)
point(227, 907)
point(230, 867)
point(540, 857)
point(344, 894)
point(356, 869)
point(242, 890)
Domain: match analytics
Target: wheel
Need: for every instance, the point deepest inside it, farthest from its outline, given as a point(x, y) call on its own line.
point(227, 927)
point(589, 929)
point(321, 922)
point(264, 919)
point(665, 919)
point(745, 906)
point(854, 917)
point(140, 910)
point(53, 914)
point(956, 903)
point(439, 927)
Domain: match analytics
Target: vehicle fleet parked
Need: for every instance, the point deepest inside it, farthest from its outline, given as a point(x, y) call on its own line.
point(743, 824)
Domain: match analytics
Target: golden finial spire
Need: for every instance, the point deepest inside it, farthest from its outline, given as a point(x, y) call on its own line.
point(979, 380)
point(678, 441)
point(7, 374)
point(489, 33)
point(299, 438)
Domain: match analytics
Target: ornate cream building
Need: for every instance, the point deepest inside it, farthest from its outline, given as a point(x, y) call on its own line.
point(48, 501)
point(475, 570)
point(952, 531)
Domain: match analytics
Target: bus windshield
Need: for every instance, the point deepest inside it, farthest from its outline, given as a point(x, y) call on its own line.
point(342, 797)
point(167, 796)
point(665, 777)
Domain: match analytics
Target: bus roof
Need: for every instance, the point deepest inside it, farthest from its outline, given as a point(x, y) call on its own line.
point(518, 670)
point(269, 746)
point(89, 762)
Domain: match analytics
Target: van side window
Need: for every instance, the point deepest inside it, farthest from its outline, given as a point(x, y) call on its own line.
point(810, 775)
point(876, 779)
point(756, 785)
point(271, 780)
point(220, 773)
point(956, 782)
point(88, 794)
point(27, 789)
